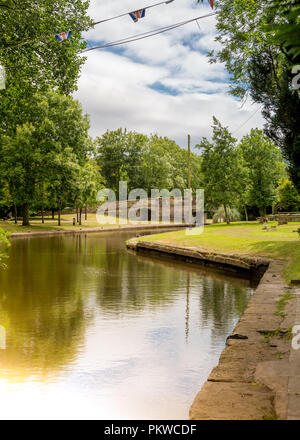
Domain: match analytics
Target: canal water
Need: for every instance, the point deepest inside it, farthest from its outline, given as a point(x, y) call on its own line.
point(95, 331)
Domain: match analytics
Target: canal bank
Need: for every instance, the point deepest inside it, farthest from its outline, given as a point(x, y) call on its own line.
point(104, 229)
point(257, 374)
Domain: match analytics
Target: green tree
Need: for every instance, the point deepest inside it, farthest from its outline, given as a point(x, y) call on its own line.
point(28, 156)
point(223, 169)
point(88, 183)
point(64, 171)
point(288, 196)
point(265, 165)
point(119, 157)
point(261, 68)
point(34, 60)
point(144, 162)
point(287, 30)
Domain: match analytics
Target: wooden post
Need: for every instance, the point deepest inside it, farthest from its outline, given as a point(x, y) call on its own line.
point(189, 162)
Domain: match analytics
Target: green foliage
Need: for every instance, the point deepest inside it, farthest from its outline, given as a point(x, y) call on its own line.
point(287, 29)
point(260, 67)
point(265, 164)
point(4, 244)
point(44, 156)
point(288, 196)
point(223, 169)
point(28, 47)
point(144, 162)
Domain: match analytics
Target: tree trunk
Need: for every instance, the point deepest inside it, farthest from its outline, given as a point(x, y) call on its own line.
point(53, 213)
point(246, 213)
point(77, 215)
point(262, 212)
point(273, 208)
point(25, 215)
point(59, 212)
point(86, 213)
point(16, 214)
point(226, 215)
point(80, 215)
point(43, 219)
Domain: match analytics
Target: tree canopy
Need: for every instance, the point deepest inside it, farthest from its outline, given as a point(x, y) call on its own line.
point(260, 61)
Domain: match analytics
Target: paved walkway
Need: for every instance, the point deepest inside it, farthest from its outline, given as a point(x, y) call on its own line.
point(293, 410)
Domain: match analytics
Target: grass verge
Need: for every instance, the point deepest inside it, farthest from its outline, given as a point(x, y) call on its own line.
point(244, 238)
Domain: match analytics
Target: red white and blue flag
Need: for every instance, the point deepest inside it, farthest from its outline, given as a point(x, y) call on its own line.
point(211, 2)
point(136, 15)
point(63, 36)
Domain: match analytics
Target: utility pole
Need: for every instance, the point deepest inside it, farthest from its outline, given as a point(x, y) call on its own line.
point(189, 162)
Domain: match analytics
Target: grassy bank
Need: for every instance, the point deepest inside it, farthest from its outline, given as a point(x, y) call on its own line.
point(245, 238)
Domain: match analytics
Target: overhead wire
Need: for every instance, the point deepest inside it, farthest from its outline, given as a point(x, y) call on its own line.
point(148, 34)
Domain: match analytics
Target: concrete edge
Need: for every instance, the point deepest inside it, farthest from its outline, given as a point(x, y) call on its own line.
point(233, 262)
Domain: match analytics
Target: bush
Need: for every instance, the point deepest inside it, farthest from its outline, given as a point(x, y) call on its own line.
point(4, 244)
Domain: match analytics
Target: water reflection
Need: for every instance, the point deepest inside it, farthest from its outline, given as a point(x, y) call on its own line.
point(93, 331)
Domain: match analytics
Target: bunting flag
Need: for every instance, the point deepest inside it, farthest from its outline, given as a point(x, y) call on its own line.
point(211, 2)
point(136, 15)
point(63, 36)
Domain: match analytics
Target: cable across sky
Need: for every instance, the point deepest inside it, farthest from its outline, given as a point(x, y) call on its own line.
point(148, 34)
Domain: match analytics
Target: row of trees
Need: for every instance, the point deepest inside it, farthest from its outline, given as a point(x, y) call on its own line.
point(47, 163)
point(260, 46)
point(53, 163)
point(144, 162)
point(44, 143)
point(250, 173)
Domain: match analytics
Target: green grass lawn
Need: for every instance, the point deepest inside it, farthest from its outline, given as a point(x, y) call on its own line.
point(246, 238)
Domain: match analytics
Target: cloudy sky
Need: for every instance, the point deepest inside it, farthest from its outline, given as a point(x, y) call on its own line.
point(163, 84)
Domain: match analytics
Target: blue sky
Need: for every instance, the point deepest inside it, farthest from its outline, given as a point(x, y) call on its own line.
point(163, 84)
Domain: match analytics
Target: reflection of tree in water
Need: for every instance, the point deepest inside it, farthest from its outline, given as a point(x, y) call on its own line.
point(129, 284)
point(49, 288)
point(220, 303)
point(43, 309)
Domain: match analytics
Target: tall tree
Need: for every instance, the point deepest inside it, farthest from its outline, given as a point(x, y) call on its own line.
point(288, 196)
point(34, 60)
point(261, 68)
point(265, 165)
point(223, 169)
point(27, 156)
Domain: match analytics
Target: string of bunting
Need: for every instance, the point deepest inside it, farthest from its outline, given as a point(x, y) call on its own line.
point(134, 15)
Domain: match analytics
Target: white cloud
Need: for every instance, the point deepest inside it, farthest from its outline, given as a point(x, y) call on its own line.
point(116, 89)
